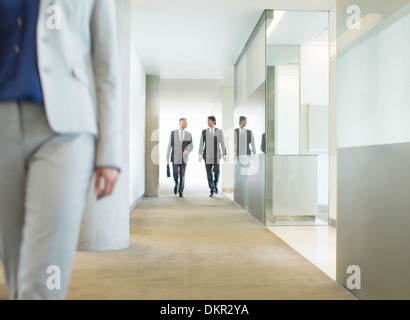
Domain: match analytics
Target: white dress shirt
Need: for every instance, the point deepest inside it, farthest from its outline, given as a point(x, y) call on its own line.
point(181, 135)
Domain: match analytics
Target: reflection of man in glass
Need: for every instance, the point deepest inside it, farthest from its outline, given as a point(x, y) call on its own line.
point(263, 143)
point(244, 139)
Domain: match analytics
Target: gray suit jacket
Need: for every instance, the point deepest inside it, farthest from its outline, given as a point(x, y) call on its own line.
point(176, 147)
point(76, 99)
point(212, 147)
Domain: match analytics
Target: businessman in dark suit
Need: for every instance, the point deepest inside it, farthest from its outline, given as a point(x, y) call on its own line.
point(244, 139)
point(179, 147)
point(212, 149)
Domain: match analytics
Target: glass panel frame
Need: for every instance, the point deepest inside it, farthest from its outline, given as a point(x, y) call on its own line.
point(256, 190)
point(297, 177)
point(250, 102)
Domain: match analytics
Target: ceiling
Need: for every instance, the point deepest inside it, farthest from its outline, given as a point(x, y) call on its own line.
point(300, 27)
point(201, 39)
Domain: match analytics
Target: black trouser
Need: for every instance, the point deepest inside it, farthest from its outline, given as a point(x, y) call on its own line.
point(179, 176)
point(212, 172)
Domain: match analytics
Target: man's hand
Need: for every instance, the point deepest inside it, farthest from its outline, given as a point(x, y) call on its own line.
point(225, 158)
point(200, 158)
point(186, 152)
point(110, 177)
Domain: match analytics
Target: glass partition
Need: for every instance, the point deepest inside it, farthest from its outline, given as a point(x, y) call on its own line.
point(282, 90)
point(250, 91)
point(373, 112)
point(297, 112)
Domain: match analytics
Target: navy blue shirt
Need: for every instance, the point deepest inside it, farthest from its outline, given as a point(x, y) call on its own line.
point(19, 76)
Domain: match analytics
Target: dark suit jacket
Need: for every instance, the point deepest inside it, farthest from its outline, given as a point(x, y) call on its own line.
point(250, 142)
point(263, 143)
point(212, 147)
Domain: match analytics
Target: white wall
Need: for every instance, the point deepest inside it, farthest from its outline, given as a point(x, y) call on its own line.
point(375, 99)
point(137, 129)
point(287, 110)
point(314, 72)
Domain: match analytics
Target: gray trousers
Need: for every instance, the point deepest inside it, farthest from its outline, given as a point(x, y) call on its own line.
point(44, 181)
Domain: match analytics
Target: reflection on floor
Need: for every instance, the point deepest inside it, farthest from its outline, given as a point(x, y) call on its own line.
point(316, 243)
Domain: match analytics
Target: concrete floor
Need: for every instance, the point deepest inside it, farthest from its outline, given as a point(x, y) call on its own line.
point(198, 248)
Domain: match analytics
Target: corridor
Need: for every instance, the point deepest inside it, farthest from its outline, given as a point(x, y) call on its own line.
point(302, 105)
point(198, 248)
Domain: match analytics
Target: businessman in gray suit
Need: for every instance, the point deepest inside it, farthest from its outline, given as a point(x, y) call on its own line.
point(179, 147)
point(212, 149)
point(53, 137)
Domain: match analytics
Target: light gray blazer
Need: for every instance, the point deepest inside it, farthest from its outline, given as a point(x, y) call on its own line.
point(78, 67)
point(212, 147)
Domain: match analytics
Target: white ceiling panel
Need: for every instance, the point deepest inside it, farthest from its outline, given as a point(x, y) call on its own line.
point(200, 39)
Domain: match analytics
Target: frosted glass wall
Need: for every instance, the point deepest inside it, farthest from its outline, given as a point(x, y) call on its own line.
point(374, 106)
point(250, 97)
point(297, 107)
point(283, 69)
point(373, 113)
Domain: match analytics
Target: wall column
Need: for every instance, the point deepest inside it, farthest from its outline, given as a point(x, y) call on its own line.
point(152, 136)
point(105, 224)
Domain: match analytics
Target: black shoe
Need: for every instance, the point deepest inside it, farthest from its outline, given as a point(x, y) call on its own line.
point(212, 194)
point(175, 190)
point(181, 195)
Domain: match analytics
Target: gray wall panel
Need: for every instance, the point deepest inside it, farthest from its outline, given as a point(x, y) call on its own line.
point(373, 226)
point(250, 185)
